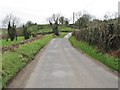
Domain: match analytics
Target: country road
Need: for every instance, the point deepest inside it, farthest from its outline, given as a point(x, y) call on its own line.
point(62, 66)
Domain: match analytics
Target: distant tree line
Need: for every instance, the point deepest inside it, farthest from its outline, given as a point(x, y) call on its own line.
point(11, 21)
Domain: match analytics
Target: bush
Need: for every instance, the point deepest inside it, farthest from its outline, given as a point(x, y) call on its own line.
point(104, 37)
point(11, 32)
point(26, 33)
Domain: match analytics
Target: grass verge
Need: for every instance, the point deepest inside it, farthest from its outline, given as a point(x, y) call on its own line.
point(110, 61)
point(13, 62)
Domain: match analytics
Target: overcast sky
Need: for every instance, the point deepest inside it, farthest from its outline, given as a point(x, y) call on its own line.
point(39, 10)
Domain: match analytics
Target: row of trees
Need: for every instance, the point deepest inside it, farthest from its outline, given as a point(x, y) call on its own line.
point(64, 20)
point(83, 18)
point(105, 35)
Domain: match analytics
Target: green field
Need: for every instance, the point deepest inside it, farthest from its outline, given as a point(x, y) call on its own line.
point(65, 29)
point(111, 62)
point(39, 29)
point(36, 29)
point(46, 28)
point(3, 42)
point(8, 43)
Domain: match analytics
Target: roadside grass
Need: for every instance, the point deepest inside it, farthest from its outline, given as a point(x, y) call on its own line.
point(8, 43)
point(110, 61)
point(13, 62)
point(31, 49)
point(0, 71)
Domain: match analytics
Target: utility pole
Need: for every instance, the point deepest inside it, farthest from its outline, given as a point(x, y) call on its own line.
point(119, 9)
point(73, 19)
point(119, 12)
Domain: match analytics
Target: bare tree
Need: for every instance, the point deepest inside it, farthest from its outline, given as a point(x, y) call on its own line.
point(78, 16)
point(82, 19)
point(10, 18)
point(29, 23)
point(108, 16)
point(62, 20)
point(53, 21)
point(66, 21)
point(10, 22)
point(115, 15)
point(93, 17)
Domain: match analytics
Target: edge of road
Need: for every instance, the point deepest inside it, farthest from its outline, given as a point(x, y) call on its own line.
point(26, 72)
point(97, 61)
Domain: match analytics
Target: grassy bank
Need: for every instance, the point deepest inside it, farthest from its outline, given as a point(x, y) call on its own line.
point(0, 62)
point(111, 62)
point(13, 62)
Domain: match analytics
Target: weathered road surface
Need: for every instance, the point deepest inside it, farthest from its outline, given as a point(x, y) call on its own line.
point(62, 66)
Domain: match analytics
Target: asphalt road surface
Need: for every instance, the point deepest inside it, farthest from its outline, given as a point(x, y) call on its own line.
point(62, 66)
